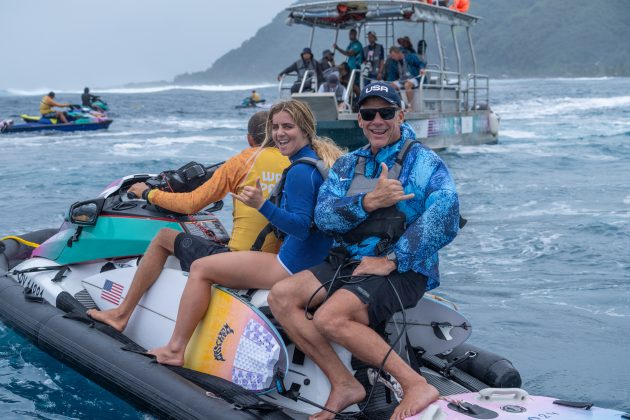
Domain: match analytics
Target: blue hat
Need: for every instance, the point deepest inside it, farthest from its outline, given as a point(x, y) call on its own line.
point(380, 90)
point(307, 50)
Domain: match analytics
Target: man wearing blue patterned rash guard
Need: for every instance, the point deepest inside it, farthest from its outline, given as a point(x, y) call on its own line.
point(391, 206)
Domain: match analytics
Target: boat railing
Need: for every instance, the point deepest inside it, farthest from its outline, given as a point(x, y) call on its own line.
point(348, 96)
point(308, 74)
point(439, 91)
point(281, 85)
point(477, 94)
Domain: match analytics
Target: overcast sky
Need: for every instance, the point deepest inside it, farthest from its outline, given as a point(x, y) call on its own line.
point(69, 44)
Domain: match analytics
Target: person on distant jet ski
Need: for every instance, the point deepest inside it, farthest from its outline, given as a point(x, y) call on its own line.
point(391, 206)
point(238, 172)
point(46, 108)
point(87, 99)
point(252, 100)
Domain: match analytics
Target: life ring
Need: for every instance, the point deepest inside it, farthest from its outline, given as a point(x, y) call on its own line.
point(461, 6)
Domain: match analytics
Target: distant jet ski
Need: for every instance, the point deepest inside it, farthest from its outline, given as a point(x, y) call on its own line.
point(248, 103)
point(47, 124)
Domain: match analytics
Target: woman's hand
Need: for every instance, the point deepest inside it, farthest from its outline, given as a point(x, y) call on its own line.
point(251, 196)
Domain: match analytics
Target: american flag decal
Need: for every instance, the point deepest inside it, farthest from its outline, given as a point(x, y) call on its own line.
point(112, 292)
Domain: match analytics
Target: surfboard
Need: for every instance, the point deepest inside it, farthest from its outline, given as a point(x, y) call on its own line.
point(510, 404)
point(235, 341)
point(432, 325)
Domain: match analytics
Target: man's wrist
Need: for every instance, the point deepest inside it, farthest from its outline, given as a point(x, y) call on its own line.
point(368, 206)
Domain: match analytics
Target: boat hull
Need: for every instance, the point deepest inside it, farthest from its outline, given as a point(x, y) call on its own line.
point(434, 131)
point(30, 127)
point(99, 357)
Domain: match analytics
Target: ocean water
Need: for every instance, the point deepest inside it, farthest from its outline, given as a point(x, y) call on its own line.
point(542, 269)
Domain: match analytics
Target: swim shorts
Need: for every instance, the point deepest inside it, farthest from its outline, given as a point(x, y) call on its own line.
point(189, 248)
point(375, 291)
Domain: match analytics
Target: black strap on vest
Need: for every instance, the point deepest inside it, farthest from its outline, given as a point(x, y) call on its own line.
point(276, 196)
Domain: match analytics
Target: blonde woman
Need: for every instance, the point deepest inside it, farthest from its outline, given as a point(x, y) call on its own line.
point(291, 125)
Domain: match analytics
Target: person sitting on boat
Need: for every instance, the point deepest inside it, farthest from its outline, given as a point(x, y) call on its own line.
point(328, 63)
point(404, 70)
point(301, 66)
point(405, 45)
point(344, 78)
point(87, 99)
point(291, 125)
point(374, 58)
point(354, 51)
point(46, 108)
point(241, 171)
point(332, 85)
point(389, 221)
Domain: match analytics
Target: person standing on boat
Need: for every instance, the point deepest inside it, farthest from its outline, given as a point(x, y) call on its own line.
point(354, 52)
point(405, 45)
point(301, 66)
point(374, 56)
point(46, 108)
point(291, 126)
point(241, 171)
point(404, 70)
point(391, 206)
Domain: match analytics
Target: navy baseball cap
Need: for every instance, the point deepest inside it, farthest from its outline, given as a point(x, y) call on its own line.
point(307, 50)
point(380, 90)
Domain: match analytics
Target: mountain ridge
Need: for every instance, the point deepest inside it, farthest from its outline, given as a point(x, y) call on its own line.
point(514, 38)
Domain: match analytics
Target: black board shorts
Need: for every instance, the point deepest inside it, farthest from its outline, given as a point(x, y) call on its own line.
point(189, 248)
point(377, 292)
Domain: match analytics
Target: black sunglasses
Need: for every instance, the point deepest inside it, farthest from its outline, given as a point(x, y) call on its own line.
point(368, 114)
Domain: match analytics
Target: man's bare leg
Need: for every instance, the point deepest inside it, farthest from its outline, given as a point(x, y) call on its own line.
point(343, 318)
point(287, 301)
point(148, 271)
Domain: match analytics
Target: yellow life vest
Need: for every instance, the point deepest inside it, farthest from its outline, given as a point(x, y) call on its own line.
point(268, 166)
point(44, 106)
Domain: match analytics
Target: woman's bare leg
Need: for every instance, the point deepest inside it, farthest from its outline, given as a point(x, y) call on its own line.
point(151, 265)
point(237, 270)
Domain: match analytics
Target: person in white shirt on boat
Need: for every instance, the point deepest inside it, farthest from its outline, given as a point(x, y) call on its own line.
point(332, 85)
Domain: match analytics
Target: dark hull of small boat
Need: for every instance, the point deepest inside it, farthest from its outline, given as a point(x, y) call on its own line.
point(29, 127)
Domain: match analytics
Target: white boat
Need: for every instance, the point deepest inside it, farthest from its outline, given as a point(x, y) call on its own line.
point(450, 107)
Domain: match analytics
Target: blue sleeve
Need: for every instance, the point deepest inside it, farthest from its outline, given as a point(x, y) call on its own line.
point(414, 63)
point(435, 227)
point(336, 213)
point(295, 214)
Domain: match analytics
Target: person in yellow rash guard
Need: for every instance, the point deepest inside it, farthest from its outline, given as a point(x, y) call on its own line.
point(47, 111)
point(252, 164)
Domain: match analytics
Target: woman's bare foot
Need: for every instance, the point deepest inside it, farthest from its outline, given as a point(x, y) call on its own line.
point(416, 398)
point(166, 356)
point(112, 317)
point(341, 397)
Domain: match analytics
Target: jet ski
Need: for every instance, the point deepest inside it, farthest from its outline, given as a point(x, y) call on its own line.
point(248, 103)
point(76, 122)
point(48, 279)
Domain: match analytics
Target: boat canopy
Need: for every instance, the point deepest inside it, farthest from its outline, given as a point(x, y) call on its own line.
point(349, 14)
